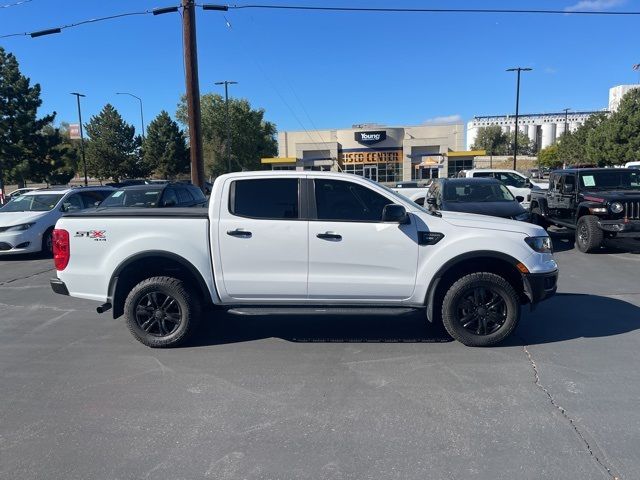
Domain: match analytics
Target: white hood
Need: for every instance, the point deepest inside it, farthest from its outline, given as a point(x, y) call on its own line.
point(471, 220)
point(9, 219)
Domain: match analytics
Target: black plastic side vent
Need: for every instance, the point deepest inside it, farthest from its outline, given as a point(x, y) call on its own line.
point(429, 238)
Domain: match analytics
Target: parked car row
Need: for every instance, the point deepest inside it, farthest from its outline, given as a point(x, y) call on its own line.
point(598, 203)
point(28, 219)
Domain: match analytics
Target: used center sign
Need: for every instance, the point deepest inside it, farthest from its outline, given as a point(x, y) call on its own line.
point(394, 156)
point(369, 138)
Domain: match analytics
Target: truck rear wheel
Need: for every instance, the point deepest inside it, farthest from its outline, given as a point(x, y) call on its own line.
point(589, 237)
point(160, 312)
point(481, 309)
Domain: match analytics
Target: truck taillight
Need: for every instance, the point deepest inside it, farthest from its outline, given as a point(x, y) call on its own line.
point(61, 248)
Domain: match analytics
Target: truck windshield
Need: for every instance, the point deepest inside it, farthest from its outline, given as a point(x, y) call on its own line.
point(610, 179)
point(32, 203)
point(477, 192)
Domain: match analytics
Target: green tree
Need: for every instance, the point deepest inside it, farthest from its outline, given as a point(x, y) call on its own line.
point(252, 136)
point(165, 149)
point(113, 150)
point(617, 140)
point(573, 146)
point(54, 158)
point(525, 145)
point(491, 139)
point(549, 157)
point(19, 123)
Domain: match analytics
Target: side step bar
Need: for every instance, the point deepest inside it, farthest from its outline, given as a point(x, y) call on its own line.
point(322, 310)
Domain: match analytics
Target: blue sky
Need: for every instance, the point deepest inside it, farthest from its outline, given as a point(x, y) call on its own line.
point(330, 70)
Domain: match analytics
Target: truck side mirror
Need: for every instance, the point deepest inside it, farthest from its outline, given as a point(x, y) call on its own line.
point(169, 203)
point(527, 183)
point(394, 213)
point(567, 188)
point(520, 198)
point(432, 201)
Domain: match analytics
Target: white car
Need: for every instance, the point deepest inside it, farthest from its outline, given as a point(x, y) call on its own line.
point(19, 191)
point(26, 222)
point(300, 243)
point(632, 165)
point(515, 181)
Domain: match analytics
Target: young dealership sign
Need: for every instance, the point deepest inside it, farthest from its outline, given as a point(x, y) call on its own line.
point(369, 138)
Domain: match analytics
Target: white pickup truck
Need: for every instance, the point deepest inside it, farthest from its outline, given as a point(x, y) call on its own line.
point(303, 242)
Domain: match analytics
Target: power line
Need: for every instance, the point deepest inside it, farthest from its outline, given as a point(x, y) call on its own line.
point(326, 9)
point(15, 4)
point(429, 10)
point(76, 24)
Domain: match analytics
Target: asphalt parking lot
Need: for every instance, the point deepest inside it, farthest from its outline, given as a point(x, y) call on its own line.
point(325, 397)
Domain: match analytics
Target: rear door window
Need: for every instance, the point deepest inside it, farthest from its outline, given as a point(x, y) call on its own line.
point(275, 199)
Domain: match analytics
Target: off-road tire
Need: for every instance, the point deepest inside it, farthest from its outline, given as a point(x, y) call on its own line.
point(186, 303)
point(458, 295)
point(47, 242)
point(589, 237)
point(538, 219)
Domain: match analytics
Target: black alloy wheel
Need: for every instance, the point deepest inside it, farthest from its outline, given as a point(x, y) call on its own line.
point(158, 314)
point(482, 310)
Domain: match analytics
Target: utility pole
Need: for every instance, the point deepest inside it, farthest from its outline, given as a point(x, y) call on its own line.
point(84, 160)
point(566, 120)
point(193, 91)
point(515, 140)
point(227, 147)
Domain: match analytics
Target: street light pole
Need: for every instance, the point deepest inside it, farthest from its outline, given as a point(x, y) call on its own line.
point(566, 120)
point(84, 160)
point(515, 140)
point(141, 112)
point(227, 148)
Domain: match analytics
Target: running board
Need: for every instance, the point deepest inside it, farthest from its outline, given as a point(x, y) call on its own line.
point(321, 310)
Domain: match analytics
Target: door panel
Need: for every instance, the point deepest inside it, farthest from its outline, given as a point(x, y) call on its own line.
point(371, 261)
point(352, 254)
point(263, 243)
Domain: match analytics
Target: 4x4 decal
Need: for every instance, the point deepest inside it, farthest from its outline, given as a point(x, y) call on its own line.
point(96, 235)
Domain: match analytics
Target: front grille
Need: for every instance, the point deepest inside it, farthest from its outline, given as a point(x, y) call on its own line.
point(632, 210)
point(5, 246)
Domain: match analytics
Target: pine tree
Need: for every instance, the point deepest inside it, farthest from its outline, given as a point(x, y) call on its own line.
point(165, 149)
point(113, 150)
point(19, 124)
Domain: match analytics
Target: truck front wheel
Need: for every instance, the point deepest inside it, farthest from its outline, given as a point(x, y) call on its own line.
point(480, 309)
point(160, 312)
point(588, 235)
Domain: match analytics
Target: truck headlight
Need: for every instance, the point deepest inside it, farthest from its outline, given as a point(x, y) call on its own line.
point(616, 207)
point(18, 228)
point(540, 244)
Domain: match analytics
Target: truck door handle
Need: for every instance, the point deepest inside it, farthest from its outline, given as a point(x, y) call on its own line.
point(329, 236)
point(239, 232)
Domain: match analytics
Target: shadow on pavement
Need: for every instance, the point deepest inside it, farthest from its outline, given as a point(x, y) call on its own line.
point(21, 257)
point(220, 327)
point(569, 316)
point(563, 317)
point(564, 240)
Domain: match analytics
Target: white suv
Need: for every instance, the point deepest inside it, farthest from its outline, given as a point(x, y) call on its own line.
point(26, 222)
point(515, 181)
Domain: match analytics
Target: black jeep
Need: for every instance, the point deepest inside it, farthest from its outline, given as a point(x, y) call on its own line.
point(598, 203)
